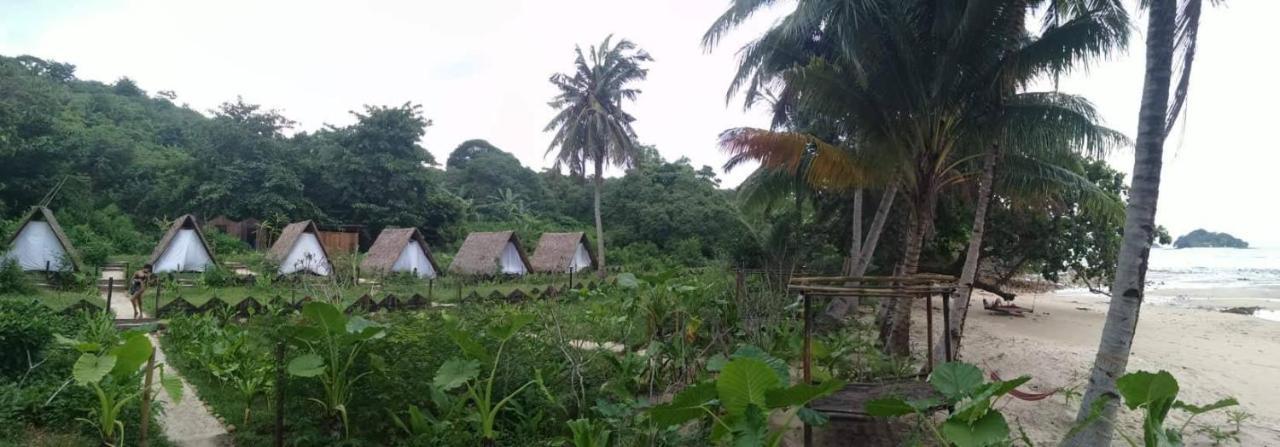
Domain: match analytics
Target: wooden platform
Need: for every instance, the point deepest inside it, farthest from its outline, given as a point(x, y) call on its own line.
point(850, 402)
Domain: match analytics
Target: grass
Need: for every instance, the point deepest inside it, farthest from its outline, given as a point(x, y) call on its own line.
point(55, 299)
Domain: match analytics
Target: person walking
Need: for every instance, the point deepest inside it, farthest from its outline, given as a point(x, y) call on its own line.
point(137, 287)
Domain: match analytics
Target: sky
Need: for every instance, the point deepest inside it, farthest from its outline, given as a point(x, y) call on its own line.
point(479, 69)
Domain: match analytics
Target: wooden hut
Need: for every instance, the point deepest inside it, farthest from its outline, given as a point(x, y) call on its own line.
point(299, 250)
point(489, 254)
point(563, 253)
point(182, 249)
point(40, 245)
point(244, 230)
point(341, 238)
point(401, 250)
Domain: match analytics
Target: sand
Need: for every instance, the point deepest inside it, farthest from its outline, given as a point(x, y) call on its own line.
point(1212, 354)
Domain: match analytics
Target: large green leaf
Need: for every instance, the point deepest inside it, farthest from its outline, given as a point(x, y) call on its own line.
point(467, 342)
point(1140, 388)
point(991, 429)
point(744, 381)
point(799, 394)
point(1194, 409)
point(509, 327)
point(172, 385)
point(364, 329)
point(325, 315)
point(90, 368)
point(627, 280)
point(455, 373)
point(307, 365)
point(956, 380)
point(888, 407)
point(751, 428)
point(131, 355)
point(686, 406)
point(778, 365)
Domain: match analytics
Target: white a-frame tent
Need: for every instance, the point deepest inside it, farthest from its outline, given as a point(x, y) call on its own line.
point(40, 245)
point(182, 249)
point(401, 250)
point(299, 250)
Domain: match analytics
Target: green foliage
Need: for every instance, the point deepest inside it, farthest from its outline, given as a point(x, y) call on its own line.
point(1156, 394)
point(589, 433)
point(974, 423)
point(457, 373)
point(102, 365)
point(1202, 238)
point(14, 281)
point(738, 402)
point(332, 345)
point(493, 181)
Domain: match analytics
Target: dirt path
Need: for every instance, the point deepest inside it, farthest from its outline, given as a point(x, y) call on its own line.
point(187, 423)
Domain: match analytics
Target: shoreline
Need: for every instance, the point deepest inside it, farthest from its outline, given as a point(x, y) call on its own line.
point(1213, 355)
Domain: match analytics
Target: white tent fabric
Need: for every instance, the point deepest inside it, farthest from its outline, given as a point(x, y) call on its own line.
point(414, 258)
point(35, 246)
point(510, 261)
point(581, 260)
point(305, 255)
point(185, 253)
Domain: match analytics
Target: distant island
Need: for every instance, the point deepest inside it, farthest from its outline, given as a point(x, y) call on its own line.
point(1203, 238)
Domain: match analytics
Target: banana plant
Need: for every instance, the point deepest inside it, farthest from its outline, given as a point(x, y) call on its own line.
point(113, 373)
point(331, 343)
point(465, 372)
point(749, 388)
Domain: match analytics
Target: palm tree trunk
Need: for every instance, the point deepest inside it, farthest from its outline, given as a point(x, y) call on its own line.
point(899, 340)
point(1131, 269)
point(599, 184)
point(840, 307)
point(855, 236)
point(968, 273)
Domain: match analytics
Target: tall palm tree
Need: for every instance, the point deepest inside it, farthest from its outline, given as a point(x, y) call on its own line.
point(590, 126)
point(931, 84)
point(1172, 29)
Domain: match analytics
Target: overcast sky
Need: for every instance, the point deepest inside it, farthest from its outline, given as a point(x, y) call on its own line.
point(479, 69)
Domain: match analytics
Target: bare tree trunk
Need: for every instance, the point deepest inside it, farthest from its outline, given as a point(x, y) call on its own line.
point(1139, 225)
point(855, 236)
point(968, 273)
point(599, 184)
point(899, 341)
point(840, 307)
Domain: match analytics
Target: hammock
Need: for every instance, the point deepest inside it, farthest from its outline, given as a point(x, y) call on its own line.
point(1023, 395)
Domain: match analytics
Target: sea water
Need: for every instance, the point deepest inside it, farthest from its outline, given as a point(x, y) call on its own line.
point(1216, 278)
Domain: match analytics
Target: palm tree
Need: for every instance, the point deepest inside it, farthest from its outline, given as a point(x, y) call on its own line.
point(590, 125)
point(930, 84)
point(1171, 29)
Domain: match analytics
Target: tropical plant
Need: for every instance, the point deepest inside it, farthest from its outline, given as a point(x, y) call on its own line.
point(589, 433)
point(975, 422)
point(1156, 395)
point(590, 125)
point(1172, 29)
point(465, 372)
point(332, 345)
point(749, 389)
point(112, 372)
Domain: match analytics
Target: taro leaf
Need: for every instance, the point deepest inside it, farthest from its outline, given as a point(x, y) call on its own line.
point(364, 329)
point(1141, 388)
point(307, 365)
point(90, 368)
point(686, 406)
point(172, 385)
point(131, 354)
point(750, 429)
point(466, 341)
point(989, 430)
point(716, 362)
point(888, 406)
point(971, 409)
point(325, 315)
point(778, 365)
point(77, 344)
point(1194, 409)
point(627, 281)
point(378, 363)
point(956, 380)
point(455, 373)
point(811, 416)
point(507, 329)
point(799, 394)
point(743, 382)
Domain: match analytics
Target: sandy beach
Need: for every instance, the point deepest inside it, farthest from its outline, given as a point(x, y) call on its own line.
point(1212, 354)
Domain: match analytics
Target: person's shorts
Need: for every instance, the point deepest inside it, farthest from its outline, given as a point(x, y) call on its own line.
point(133, 288)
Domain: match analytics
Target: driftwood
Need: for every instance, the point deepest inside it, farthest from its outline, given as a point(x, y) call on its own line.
point(993, 289)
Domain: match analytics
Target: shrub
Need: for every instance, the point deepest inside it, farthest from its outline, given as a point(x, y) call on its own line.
point(13, 281)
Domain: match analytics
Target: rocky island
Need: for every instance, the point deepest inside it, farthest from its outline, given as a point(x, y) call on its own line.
point(1203, 238)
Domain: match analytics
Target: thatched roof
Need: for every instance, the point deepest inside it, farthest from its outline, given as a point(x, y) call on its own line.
point(47, 216)
point(481, 251)
point(189, 222)
point(387, 248)
point(289, 236)
point(556, 250)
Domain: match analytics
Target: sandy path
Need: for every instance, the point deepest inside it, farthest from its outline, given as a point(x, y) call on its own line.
point(189, 422)
point(1212, 354)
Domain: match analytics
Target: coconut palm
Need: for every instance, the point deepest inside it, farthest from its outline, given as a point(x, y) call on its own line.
point(590, 126)
point(1172, 29)
point(931, 84)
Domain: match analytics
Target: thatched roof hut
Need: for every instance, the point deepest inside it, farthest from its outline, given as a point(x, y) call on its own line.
point(182, 249)
point(39, 244)
point(401, 250)
point(490, 253)
point(563, 253)
point(299, 250)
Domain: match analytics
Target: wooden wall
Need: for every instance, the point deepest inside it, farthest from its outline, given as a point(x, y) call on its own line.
point(339, 241)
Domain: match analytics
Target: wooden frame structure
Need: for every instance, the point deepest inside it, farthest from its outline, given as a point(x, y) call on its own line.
point(924, 286)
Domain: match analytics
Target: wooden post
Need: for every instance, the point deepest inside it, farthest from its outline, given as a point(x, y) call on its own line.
point(928, 338)
point(431, 285)
point(571, 278)
point(946, 326)
point(159, 285)
point(145, 405)
point(111, 285)
point(807, 358)
point(279, 428)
